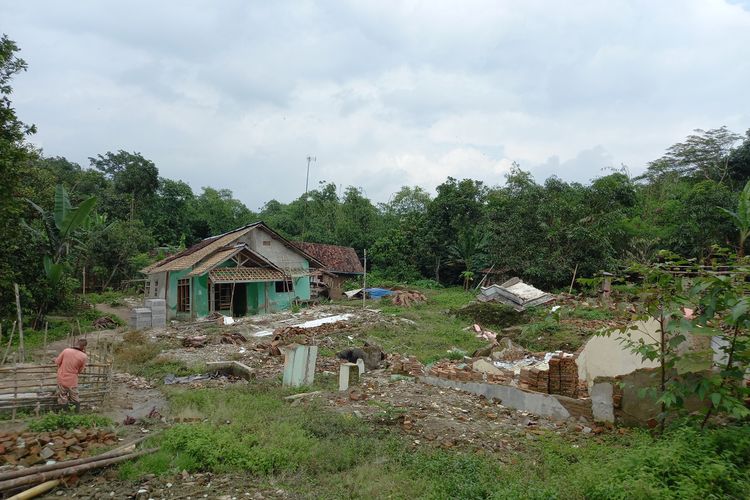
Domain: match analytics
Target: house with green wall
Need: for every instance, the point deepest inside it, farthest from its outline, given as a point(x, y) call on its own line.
point(250, 270)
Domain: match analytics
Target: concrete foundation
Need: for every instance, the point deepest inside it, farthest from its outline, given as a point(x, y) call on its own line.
point(546, 405)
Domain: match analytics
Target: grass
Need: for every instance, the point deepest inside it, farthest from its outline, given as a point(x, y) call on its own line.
point(139, 356)
point(312, 452)
point(66, 421)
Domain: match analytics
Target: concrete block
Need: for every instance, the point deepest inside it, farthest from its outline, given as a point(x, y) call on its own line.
point(299, 365)
point(348, 375)
point(361, 365)
point(602, 403)
point(484, 366)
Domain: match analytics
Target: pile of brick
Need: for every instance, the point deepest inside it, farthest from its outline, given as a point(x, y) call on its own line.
point(461, 372)
point(31, 448)
point(504, 378)
point(405, 365)
point(534, 379)
point(563, 375)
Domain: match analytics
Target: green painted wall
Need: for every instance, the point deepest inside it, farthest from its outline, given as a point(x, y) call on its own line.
point(256, 295)
point(200, 296)
point(172, 294)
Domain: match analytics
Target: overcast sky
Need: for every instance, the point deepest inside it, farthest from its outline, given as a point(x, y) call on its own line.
point(235, 94)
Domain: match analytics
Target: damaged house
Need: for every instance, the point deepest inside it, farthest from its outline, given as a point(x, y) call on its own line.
point(340, 264)
point(249, 270)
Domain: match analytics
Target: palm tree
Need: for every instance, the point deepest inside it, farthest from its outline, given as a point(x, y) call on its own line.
point(468, 250)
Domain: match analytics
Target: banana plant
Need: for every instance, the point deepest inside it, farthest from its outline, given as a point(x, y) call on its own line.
point(741, 218)
point(60, 228)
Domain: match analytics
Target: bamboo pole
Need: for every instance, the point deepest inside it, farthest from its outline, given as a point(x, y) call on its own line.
point(36, 490)
point(46, 476)
point(46, 325)
point(115, 452)
point(10, 339)
point(575, 271)
point(21, 350)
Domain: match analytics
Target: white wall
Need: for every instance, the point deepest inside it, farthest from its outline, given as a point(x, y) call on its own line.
point(272, 249)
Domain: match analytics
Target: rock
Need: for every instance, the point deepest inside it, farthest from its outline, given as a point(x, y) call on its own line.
point(47, 452)
point(484, 366)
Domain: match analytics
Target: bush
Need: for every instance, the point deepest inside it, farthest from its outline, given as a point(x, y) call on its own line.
point(491, 314)
point(54, 421)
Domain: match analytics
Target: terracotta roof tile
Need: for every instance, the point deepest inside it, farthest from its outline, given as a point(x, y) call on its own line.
point(337, 259)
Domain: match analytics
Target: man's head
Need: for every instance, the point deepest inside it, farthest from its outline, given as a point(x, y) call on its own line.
point(82, 343)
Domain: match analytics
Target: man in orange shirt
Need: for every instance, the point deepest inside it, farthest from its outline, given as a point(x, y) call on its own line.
point(70, 363)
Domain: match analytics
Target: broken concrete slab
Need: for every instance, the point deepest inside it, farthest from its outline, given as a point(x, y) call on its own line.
point(546, 405)
point(514, 293)
point(484, 366)
point(602, 402)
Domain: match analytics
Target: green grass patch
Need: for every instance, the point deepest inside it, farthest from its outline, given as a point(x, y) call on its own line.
point(56, 421)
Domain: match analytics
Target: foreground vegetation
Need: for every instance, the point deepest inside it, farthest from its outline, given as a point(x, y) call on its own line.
point(311, 452)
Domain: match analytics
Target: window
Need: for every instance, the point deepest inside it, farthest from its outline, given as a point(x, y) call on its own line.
point(156, 288)
point(284, 286)
point(183, 295)
point(222, 297)
point(147, 288)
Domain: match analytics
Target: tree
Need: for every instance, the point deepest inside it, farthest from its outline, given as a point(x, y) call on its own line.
point(741, 218)
point(16, 156)
point(134, 180)
point(703, 155)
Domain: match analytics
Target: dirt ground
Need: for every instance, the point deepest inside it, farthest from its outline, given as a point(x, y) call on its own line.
point(429, 415)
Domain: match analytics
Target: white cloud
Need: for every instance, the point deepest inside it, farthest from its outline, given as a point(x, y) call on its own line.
point(237, 94)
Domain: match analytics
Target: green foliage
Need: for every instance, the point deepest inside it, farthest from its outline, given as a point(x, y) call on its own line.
point(67, 421)
point(491, 314)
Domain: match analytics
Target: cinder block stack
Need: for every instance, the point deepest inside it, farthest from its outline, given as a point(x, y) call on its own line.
point(158, 312)
point(140, 318)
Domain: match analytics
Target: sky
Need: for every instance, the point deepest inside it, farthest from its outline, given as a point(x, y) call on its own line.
point(236, 94)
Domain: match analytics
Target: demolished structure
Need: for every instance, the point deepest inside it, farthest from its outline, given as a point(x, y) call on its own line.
point(249, 270)
point(514, 293)
point(340, 264)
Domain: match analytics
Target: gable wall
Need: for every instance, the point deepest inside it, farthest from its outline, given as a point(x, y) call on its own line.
point(273, 250)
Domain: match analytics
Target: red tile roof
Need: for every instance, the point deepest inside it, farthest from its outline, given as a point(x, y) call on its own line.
point(337, 259)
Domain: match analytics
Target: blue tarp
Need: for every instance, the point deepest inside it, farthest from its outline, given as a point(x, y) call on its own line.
point(376, 293)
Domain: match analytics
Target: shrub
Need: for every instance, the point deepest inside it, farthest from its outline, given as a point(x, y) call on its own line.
point(54, 421)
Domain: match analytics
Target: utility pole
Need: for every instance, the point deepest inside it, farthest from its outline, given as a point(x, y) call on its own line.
point(304, 212)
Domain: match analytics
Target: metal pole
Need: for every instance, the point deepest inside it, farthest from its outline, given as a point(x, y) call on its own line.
point(364, 282)
point(304, 212)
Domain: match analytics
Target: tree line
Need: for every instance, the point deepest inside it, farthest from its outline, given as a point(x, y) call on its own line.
point(540, 231)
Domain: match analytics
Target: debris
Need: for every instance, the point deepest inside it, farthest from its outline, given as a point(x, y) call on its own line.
point(514, 293)
point(232, 338)
point(105, 322)
point(301, 395)
point(132, 381)
point(406, 365)
point(407, 298)
point(31, 448)
point(196, 341)
point(171, 379)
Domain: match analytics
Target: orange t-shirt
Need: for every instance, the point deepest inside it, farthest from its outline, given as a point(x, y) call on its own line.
point(70, 363)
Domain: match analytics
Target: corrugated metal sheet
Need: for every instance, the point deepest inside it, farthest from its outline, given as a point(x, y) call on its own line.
point(244, 275)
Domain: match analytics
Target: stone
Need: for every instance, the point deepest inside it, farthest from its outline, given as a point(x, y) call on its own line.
point(484, 366)
point(47, 452)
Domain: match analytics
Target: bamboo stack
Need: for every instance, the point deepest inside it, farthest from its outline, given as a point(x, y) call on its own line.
point(34, 386)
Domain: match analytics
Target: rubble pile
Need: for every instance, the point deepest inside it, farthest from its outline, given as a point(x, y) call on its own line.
point(405, 365)
point(232, 338)
point(196, 341)
point(31, 448)
point(104, 323)
point(406, 298)
point(461, 372)
point(132, 381)
point(534, 379)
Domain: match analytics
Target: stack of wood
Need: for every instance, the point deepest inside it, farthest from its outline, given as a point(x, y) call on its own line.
point(49, 476)
point(406, 298)
point(196, 341)
point(232, 338)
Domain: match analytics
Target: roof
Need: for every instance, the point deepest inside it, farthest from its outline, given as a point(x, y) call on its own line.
point(514, 293)
point(336, 259)
point(205, 248)
point(244, 274)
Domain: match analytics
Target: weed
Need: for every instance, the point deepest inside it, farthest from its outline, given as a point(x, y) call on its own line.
point(54, 421)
